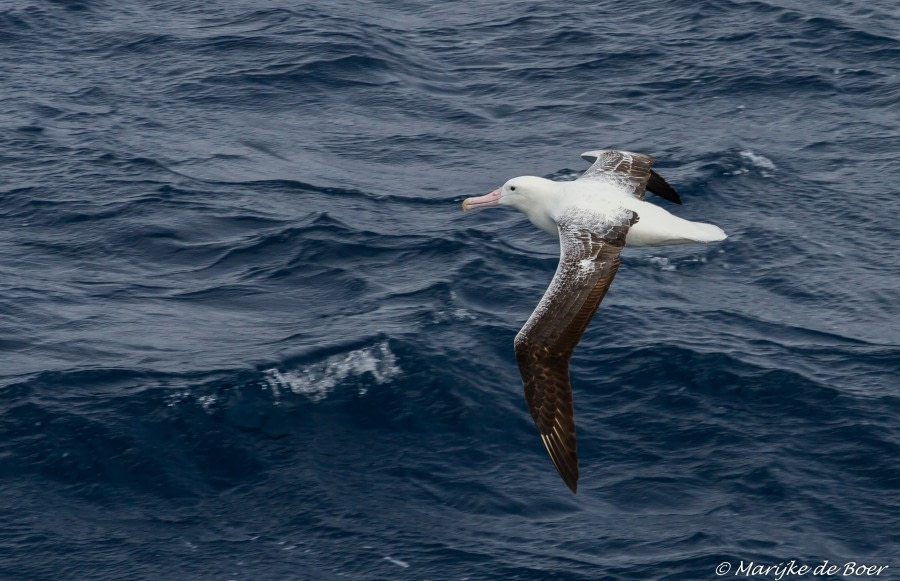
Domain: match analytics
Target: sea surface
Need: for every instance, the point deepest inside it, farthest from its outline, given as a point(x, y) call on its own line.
point(246, 331)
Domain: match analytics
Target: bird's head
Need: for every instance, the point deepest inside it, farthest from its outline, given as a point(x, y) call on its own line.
point(522, 193)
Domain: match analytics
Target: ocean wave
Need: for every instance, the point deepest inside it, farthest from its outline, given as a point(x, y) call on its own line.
point(316, 381)
point(247, 330)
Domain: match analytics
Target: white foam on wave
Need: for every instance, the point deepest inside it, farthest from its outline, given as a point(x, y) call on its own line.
point(666, 264)
point(662, 262)
point(207, 402)
point(316, 381)
point(761, 162)
point(397, 562)
point(452, 314)
point(757, 159)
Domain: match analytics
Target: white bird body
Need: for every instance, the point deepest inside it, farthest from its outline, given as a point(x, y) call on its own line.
point(594, 217)
point(655, 226)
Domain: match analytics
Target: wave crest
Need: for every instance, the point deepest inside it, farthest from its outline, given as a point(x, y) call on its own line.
point(317, 380)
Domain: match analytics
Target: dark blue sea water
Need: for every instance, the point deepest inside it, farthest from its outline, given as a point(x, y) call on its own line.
point(247, 333)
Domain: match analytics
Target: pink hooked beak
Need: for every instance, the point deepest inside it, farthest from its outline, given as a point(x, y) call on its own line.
point(484, 201)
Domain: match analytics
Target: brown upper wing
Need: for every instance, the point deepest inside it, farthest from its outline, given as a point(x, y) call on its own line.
point(589, 256)
point(630, 170)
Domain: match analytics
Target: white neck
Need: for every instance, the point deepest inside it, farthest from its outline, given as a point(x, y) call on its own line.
point(541, 206)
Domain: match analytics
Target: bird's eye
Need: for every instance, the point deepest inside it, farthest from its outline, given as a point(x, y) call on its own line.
point(512, 188)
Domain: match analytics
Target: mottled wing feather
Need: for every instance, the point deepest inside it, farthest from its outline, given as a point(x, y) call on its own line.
point(631, 171)
point(589, 257)
point(623, 168)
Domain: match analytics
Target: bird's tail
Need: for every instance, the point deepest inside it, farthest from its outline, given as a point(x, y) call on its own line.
point(708, 232)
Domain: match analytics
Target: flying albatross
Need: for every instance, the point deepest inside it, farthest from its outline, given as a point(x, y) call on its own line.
point(595, 216)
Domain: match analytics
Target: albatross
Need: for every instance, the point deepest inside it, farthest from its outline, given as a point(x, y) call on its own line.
point(595, 216)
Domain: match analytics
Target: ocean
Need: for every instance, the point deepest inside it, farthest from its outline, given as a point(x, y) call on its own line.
point(247, 332)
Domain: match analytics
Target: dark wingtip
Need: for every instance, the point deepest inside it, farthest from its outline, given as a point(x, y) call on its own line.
point(569, 476)
point(661, 188)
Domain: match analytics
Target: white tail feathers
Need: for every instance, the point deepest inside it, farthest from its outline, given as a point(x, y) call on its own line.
point(708, 232)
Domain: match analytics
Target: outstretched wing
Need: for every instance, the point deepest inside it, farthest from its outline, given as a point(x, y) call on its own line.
point(589, 256)
point(630, 171)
